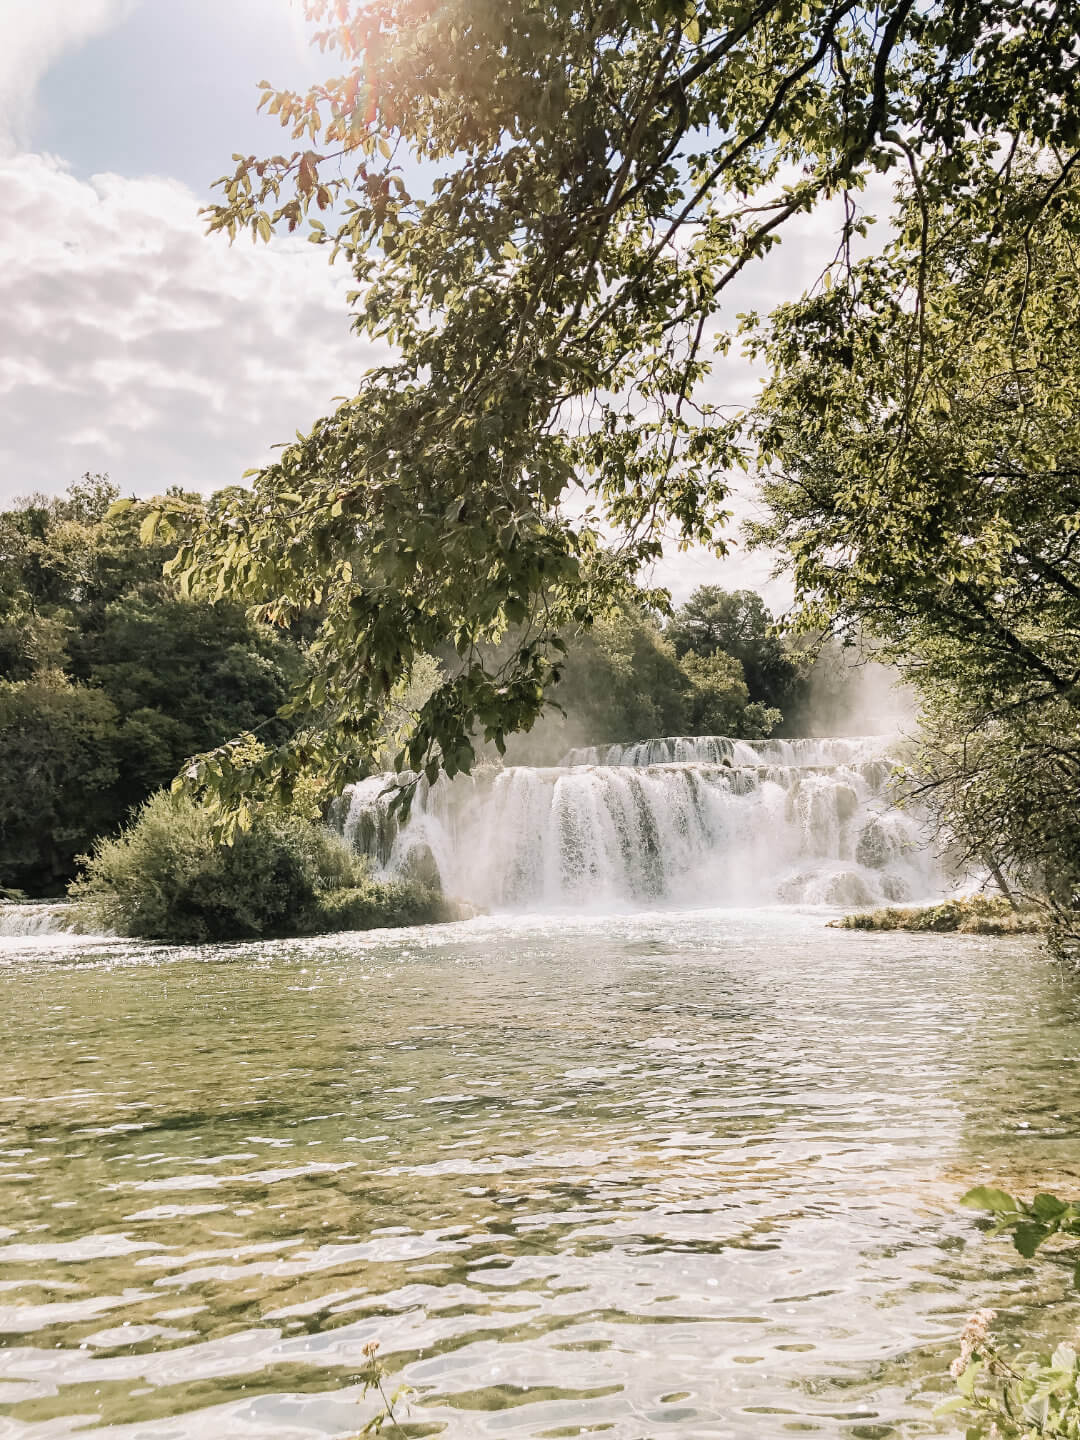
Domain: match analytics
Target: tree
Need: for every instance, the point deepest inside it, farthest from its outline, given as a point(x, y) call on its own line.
point(183, 677)
point(119, 677)
point(59, 762)
point(719, 701)
point(542, 207)
point(620, 680)
point(924, 478)
point(739, 623)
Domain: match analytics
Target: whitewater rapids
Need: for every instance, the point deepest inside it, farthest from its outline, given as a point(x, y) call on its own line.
point(701, 820)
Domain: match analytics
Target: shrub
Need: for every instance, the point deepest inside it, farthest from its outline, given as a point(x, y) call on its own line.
point(379, 903)
point(167, 877)
point(978, 915)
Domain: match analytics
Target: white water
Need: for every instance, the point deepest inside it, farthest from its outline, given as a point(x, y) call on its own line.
point(35, 918)
point(702, 821)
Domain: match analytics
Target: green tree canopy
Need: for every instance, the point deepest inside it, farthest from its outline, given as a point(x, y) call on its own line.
point(719, 699)
point(924, 480)
point(739, 623)
point(110, 679)
point(543, 206)
point(59, 765)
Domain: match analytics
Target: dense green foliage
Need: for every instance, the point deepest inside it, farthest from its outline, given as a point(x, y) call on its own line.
point(623, 679)
point(739, 623)
point(109, 680)
point(169, 877)
point(543, 207)
point(718, 701)
point(924, 459)
point(59, 773)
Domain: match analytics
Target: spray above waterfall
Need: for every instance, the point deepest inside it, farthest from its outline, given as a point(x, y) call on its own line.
point(702, 820)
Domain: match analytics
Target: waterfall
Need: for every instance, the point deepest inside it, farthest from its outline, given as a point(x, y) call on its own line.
point(34, 918)
point(700, 820)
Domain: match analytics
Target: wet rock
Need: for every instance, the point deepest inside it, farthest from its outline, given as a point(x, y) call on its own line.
point(793, 890)
point(895, 887)
point(847, 802)
point(421, 866)
point(848, 888)
point(875, 846)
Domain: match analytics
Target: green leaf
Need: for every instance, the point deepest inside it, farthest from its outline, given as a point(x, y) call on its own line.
point(118, 507)
point(950, 1406)
point(1048, 1207)
point(966, 1382)
point(1027, 1238)
point(984, 1197)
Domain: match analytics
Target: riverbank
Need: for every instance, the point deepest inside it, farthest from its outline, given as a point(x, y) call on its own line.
point(375, 907)
point(968, 915)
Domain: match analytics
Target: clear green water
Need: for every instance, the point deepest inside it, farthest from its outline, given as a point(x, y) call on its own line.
point(651, 1175)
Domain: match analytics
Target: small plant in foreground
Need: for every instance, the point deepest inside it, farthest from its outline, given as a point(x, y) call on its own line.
point(1026, 1399)
point(373, 1377)
point(1029, 1397)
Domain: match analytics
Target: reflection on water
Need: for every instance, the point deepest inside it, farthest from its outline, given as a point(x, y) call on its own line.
point(686, 1175)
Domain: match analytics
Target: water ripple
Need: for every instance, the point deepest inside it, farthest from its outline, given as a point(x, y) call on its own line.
point(671, 1174)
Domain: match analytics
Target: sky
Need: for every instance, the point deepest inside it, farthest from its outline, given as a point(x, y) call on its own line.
point(133, 343)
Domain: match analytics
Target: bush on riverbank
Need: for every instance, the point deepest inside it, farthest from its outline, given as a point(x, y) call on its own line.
point(974, 915)
point(168, 878)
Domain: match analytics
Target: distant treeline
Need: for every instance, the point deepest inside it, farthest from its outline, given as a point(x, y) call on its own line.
point(110, 679)
point(719, 665)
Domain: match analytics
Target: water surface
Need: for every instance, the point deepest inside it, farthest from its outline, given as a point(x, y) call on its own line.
point(687, 1175)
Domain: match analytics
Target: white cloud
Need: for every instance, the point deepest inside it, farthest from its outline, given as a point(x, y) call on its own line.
point(33, 35)
point(134, 343)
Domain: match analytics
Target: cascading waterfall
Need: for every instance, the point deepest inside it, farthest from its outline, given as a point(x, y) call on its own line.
point(700, 820)
point(34, 918)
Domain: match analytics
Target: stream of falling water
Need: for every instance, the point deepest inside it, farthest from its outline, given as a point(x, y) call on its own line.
point(702, 820)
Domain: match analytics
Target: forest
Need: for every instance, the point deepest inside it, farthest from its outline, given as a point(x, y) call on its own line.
point(111, 679)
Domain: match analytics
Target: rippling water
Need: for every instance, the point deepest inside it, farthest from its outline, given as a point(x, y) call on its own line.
point(670, 1174)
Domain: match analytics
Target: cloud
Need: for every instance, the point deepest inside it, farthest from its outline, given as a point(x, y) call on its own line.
point(35, 34)
point(135, 344)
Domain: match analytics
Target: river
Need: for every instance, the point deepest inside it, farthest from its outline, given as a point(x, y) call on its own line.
point(668, 1173)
